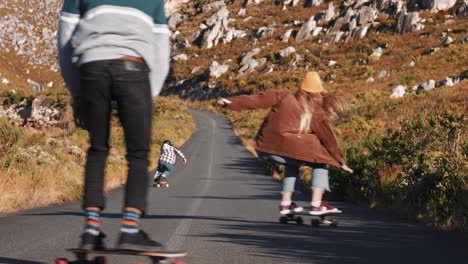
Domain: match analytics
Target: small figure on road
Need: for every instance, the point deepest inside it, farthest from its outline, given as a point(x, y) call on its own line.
point(115, 51)
point(167, 159)
point(297, 132)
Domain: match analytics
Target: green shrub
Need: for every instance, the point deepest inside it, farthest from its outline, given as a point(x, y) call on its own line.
point(421, 167)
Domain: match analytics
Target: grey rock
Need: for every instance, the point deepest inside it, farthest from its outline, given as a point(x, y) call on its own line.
point(342, 21)
point(294, 63)
point(366, 15)
point(285, 37)
point(216, 70)
point(434, 5)
point(312, 3)
point(35, 86)
point(333, 38)
point(462, 10)
point(213, 5)
point(398, 92)
point(304, 33)
point(383, 74)
point(286, 52)
point(429, 85)
point(408, 22)
point(465, 39)
point(329, 13)
point(376, 52)
point(263, 32)
point(249, 55)
point(180, 57)
point(447, 41)
point(175, 20)
point(316, 31)
point(370, 79)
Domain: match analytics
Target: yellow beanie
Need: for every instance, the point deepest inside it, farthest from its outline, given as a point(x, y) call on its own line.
point(312, 83)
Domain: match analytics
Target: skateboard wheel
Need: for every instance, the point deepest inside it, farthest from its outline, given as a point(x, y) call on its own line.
point(315, 222)
point(61, 261)
point(100, 260)
point(299, 220)
point(334, 223)
point(283, 220)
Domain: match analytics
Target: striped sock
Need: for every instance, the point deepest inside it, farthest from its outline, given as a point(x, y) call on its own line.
point(92, 220)
point(131, 221)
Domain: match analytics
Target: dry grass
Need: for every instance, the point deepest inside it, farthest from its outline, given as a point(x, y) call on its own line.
point(37, 171)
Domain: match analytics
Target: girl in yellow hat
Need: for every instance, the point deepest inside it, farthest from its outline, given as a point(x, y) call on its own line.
point(297, 132)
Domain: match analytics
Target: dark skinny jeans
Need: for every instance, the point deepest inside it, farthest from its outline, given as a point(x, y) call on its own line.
point(126, 82)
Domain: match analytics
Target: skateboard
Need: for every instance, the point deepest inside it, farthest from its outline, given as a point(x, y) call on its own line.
point(155, 257)
point(158, 183)
point(318, 220)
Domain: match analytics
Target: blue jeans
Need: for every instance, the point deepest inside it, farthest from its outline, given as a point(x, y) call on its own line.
point(164, 168)
point(291, 172)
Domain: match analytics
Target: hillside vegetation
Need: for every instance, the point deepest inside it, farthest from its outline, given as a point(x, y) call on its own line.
point(401, 66)
point(409, 153)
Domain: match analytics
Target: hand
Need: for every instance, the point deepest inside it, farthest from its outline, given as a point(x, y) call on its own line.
point(78, 112)
point(223, 101)
point(346, 168)
point(184, 161)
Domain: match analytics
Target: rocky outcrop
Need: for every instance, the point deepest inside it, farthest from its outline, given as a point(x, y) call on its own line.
point(304, 33)
point(37, 43)
point(312, 3)
point(39, 113)
point(433, 5)
point(216, 70)
point(462, 10)
point(216, 26)
point(408, 22)
point(171, 6)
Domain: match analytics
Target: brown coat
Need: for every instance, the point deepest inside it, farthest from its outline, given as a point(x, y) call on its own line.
point(279, 133)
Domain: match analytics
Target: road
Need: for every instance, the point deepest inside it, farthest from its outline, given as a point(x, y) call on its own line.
point(222, 208)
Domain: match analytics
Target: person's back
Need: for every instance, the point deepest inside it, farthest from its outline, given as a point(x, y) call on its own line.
point(91, 30)
point(115, 50)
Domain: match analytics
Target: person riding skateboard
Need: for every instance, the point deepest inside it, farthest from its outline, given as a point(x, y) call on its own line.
point(297, 132)
point(114, 51)
point(167, 159)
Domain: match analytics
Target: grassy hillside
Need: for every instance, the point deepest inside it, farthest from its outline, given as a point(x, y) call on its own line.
point(409, 153)
point(43, 167)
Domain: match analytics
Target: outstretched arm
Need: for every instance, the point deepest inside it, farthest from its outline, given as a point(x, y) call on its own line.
point(184, 160)
point(264, 100)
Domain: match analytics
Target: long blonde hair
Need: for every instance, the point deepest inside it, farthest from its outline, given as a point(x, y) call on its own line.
point(308, 102)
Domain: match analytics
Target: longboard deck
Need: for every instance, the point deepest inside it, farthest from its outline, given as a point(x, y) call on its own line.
point(307, 214)
point(110, 251)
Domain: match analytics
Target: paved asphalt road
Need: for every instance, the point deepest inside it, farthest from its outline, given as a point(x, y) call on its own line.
point(222, 208)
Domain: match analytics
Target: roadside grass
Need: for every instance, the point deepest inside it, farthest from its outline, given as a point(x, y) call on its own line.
point(46, 167)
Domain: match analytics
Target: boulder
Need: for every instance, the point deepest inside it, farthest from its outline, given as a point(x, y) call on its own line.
point(447, 41)
point(433, 5)
point(286, 52)
point(304, 33)
point(216, 70)
point(462, 10)
point(312, 3)
point(408, 22)
point(398, 92)
point(285, 37)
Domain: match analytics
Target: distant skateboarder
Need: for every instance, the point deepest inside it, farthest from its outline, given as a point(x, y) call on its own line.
point(297, 132)
point(167, 159)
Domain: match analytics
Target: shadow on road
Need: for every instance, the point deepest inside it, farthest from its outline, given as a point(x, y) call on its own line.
point(17, 261)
